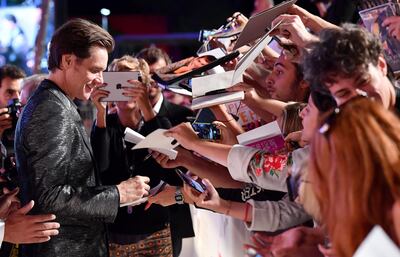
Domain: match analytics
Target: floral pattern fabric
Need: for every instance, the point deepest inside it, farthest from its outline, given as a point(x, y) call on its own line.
point(268, 163)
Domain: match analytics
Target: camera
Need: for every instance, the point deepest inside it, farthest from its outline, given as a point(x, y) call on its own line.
point(8, 170)
point(14, 108)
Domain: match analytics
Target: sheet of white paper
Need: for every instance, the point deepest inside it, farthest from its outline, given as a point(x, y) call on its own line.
point(265, 131)
point(211, 100)
point(159, 142)
point(180, 91)
point(204, 84)
point(132, 136)
point(377, 244)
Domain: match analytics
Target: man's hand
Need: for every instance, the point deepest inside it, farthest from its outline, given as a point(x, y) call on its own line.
point(21, 228)
point(184, 134)
point(133, 189)
point(5, 120)
point(8, 201)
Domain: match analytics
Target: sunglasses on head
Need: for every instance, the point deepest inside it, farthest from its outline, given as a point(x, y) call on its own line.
point(331, 118)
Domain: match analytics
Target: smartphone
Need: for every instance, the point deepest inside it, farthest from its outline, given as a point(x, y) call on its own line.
point(198, 186)
point(116, 82)
point(207, 131)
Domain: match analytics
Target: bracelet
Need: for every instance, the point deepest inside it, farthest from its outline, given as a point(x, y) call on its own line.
point(246, 212)
point(229, 208)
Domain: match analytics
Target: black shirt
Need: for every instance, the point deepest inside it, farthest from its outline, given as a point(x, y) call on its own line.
point(117, 162)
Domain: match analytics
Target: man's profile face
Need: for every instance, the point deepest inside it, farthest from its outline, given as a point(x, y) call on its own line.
point(9, 89)
point(82, 75)
point(373, 82)
point(282, 83)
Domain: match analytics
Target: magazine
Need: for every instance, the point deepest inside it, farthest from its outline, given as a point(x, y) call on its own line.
point(373, 19)
point(268, 138)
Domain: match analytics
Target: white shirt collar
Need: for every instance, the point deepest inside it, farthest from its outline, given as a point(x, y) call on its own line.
point(157, 106)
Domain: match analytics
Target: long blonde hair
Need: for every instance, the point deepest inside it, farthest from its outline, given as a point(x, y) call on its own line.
point(355, 173)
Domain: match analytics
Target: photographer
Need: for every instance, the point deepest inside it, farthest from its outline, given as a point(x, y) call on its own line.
point(10, 87)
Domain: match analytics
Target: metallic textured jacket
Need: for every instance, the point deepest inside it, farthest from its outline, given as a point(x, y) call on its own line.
point(57, 170)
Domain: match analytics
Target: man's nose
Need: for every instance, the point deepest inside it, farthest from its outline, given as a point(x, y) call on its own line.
point(98, 80)
point(15, 95)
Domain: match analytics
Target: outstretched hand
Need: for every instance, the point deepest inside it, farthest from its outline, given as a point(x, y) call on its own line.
point(184, 134)
point(21, 228)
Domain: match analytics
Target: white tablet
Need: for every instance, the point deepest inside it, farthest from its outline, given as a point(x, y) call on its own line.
point(116, 82)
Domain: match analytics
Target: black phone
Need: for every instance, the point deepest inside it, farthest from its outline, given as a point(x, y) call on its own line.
point(198, 186)
point(207, 131)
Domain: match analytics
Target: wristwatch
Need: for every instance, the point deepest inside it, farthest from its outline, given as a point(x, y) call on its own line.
point(179, 196)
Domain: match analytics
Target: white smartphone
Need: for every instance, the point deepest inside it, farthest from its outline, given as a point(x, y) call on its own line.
point(116, 82)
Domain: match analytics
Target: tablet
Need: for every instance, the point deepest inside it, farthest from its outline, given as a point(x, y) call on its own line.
point(260, 23)
point(116, 82)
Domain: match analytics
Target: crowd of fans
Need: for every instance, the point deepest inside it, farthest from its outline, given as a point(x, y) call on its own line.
point(329, 88)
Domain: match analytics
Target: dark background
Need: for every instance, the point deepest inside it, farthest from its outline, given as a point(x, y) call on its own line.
point(170, 24)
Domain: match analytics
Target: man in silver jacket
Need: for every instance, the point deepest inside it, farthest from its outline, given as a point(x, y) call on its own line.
point(55, 162)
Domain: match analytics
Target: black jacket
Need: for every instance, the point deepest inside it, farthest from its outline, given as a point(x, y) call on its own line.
point(117, 162)
point(56, 169)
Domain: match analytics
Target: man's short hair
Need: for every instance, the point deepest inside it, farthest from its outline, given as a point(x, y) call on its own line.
point(152, 54)
point(11, 71)
point(345, 52)
point(76, 37)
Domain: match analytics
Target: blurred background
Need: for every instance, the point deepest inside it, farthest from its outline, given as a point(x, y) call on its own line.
point(174, 25)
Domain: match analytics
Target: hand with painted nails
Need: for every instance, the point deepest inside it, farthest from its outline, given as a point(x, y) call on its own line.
point(139, 93)
point(97, 94)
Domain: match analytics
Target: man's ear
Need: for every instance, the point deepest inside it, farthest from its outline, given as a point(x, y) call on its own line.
point(66, 61)
point(382, 65)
